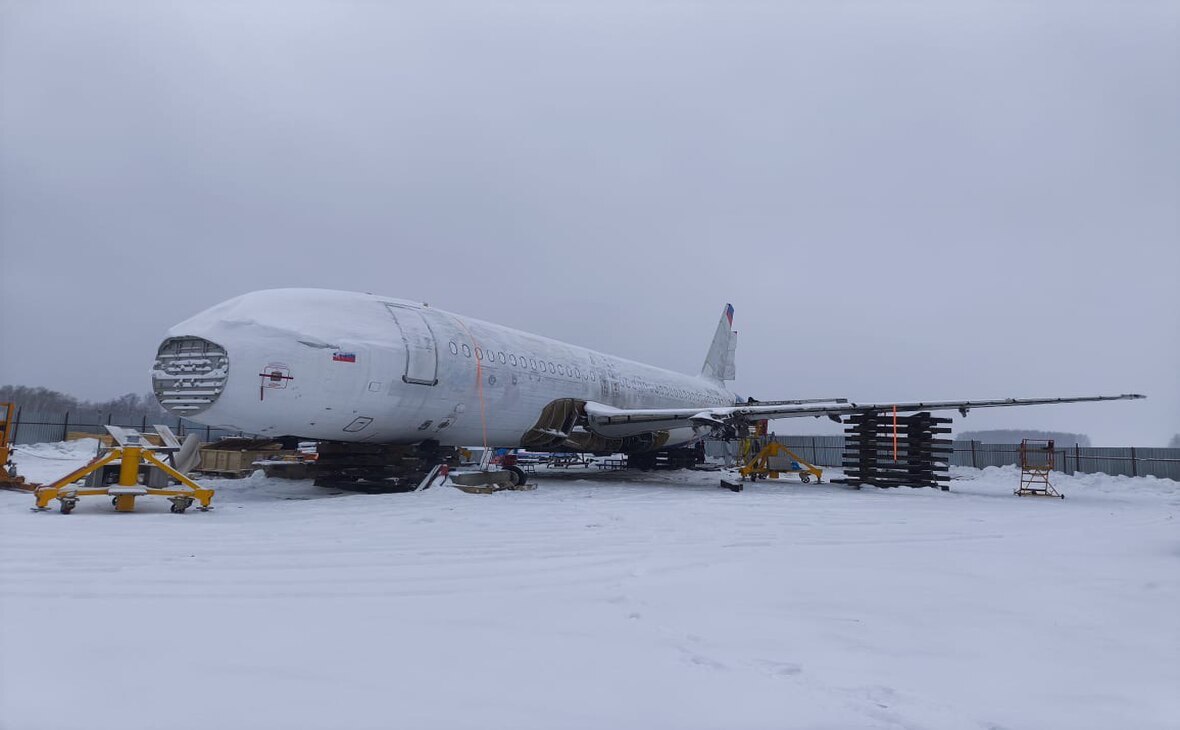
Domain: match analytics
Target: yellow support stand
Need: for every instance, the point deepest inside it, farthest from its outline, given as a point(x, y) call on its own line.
point(759, 465)
point(131, 451)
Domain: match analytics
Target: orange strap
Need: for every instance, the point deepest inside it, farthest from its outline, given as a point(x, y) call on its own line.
point(895, 433)
point(483, 423)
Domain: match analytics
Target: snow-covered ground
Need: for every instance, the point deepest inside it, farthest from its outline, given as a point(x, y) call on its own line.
point(596, 601)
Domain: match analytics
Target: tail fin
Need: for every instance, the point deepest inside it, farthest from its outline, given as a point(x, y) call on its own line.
point(719, 363)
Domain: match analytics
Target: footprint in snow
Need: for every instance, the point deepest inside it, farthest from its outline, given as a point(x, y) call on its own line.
point(702, 661)
point(782, 669)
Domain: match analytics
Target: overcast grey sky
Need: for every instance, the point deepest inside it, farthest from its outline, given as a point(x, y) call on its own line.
point(902, 199)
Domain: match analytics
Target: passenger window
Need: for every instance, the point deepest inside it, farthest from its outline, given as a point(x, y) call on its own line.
point(551, 368)
point(501, 357)
point(478, 353)
point(533, 363)
point(466, 351)
point(560, 370)
point(512, 360)
point(454, 348)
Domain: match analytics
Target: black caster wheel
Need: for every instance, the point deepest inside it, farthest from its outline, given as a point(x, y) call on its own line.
point(806, 479)
point(67, 507)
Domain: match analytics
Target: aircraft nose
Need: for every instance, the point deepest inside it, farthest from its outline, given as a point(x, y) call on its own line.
point(189, 375)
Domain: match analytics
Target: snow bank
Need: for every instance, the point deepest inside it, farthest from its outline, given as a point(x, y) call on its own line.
point(43, 463)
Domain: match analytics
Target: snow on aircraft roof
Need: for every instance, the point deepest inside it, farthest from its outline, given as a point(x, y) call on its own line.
point(310, 315)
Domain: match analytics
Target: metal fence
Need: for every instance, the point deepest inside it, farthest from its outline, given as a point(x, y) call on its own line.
point(32, 427)
point(1125, 461)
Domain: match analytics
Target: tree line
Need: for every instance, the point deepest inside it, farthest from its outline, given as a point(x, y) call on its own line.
point(1014, 436)
point(127, 408)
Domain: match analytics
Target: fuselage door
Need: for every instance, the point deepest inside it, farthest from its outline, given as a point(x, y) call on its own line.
point(421, 353)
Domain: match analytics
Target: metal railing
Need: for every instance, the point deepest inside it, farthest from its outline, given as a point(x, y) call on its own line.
point(31, 427)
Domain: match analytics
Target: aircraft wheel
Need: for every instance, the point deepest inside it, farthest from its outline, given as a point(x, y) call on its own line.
point(518, 475)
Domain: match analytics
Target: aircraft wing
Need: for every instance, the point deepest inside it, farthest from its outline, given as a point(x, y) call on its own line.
point(610, 421)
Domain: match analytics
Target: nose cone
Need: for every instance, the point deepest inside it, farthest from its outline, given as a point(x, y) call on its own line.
point(189, 375)
point(286, 333)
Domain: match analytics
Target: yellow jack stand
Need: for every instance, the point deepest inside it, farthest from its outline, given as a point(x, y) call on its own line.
point(8, 475)
point(759, 466)
point(131, 450)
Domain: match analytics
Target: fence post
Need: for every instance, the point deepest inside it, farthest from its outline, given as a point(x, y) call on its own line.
point(1077, 457)
point(65, 426)
point(207, 433)
point(973, 464)
point(814, 452)
point(16, 426)
point(1134, 471)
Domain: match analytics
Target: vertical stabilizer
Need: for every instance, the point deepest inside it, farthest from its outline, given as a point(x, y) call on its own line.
point(719, 363)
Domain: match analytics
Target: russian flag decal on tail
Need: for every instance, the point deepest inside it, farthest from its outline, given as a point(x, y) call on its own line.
point(729, 313)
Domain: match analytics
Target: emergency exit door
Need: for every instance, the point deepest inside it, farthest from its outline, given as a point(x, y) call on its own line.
point(421, 352)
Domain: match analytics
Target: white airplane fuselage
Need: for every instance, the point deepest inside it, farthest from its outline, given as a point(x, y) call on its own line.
point(358, 367)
